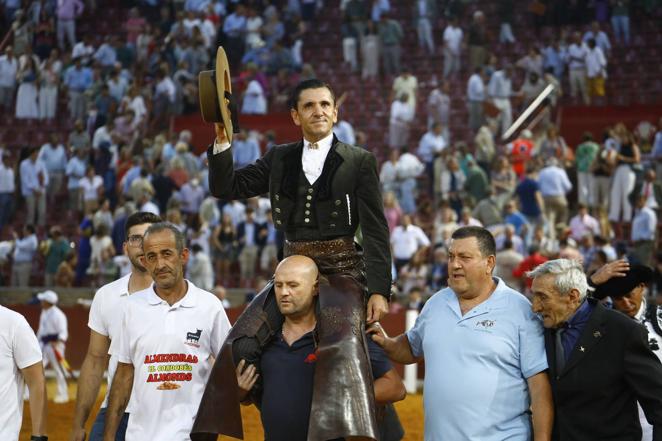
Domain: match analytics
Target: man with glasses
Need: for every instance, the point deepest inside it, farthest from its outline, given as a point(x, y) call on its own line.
point(104, 323)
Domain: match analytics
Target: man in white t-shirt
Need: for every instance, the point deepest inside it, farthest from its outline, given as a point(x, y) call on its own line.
point(104, 323)
point(170, 335)
point(406, 240)
point(453, 36)
point(52, 334)
point(20, 364)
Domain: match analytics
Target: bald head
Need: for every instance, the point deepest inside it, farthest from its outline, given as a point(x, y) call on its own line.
point(295, 283)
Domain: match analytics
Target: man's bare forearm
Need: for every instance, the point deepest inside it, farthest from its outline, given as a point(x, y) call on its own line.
point(542, 406)
point(89, 383)
point(34, 378)
point(399, 350)
point(120, 392)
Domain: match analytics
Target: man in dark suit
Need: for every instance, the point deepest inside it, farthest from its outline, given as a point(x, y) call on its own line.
point(650, 188)
point(321, 190)
point(599, 360)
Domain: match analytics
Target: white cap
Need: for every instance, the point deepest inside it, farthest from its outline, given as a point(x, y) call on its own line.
point(48, 296)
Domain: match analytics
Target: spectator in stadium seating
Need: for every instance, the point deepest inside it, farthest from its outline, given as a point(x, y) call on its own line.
point(55, 251)
point(142, 185)
point(424, 13)
point(503, 180)
point(370, 52)
point(390, 36)
point(477, 40)
point(415, 273)
point(532, 62)
point(596, 70)
point(400, 120)
point(507, 260)
point(199, 269)
point(477, 184)
point(453, 37)
point(25, 250)
point(620, 21)
point(554, 146)
point(226, 247)
point(407, 239)
point(191, 195)
point(583, 223)
point(432, 143)
point(624, 178)
point(250, 237)
point(77, 79)
point(254, 99)
point(408, 169)
point(505, 11)
point(7, 189)
point(650, 188)
point(27, 95)
point(438, 106)
point(487, 210)
point(512, 216)
point(406, 83)
point(246, 149)
point(8, 71)
point(54, 157)
point(75, 171)
point(600, 37)
point(84, 49)
point(508, 234)
point(530, 198)
point(234, 31)
point(533, 85)
point(67, 13)
point(34, 181)
point(644, 231)
point(50, 71)
point(554, 185)
point(554, 56)
point(576, 59)
point(499, 90)
point(585, 156)
point(91, 186)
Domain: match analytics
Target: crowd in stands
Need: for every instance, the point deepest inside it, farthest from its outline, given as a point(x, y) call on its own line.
point(541, 197)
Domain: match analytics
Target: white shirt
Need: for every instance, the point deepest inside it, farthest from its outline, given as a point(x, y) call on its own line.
point(401, 112)
point(53, 321)
point(7, 184)
point(91, 187)
point(200, 270)
point(19, 349)
point(345, 132)
point(312, 160)
point(171, 349)
point(150, 207)
point(596, 63)
point(106, 319)
point(499, 86)
point(475, 88)
point(408, 166)
point(254, 100)
point(576, 56)
point(406, 242)
point(30, 172)
point(581, 225)
point(429, 145)
point(644, 224)
point(8, 71)
point(166, 88)
point(553, 181)
point(453, 39)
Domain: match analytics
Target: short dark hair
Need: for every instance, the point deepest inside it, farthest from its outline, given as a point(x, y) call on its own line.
point(139, 218)
point(486, 243)
point(163, 226)
point(312, 83)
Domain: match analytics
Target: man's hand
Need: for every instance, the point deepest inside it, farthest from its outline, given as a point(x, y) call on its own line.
point(221, 135)
point(377, 333)
point(377, 308)
point(246, 378)
point(617, 268)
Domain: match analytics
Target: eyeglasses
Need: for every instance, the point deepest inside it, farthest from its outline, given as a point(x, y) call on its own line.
point(135, 239)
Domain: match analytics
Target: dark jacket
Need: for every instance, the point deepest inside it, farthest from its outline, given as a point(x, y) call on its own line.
point(610, 368)
point(258, 239)
point(347, 195)
point(639, 189)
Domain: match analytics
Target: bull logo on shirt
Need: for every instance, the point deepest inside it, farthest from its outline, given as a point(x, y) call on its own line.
point(192, 338)
point(485, 324)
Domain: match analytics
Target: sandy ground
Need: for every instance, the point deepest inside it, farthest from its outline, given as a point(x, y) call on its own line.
point(60, 417)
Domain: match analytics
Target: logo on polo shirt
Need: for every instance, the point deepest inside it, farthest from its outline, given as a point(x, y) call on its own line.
point(485, 324)
point(192, 338)
point(169, 369)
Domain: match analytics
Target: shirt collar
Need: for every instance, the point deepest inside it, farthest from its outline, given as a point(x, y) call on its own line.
point(324, 143)
point(580, 316)
point(188, 301)
point(641, 314)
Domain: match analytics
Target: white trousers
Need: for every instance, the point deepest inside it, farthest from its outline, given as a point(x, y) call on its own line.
point(51, 359)
point(622, 185)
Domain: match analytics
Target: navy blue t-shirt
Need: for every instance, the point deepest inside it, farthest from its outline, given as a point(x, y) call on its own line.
point(287, 377)
point(526, 190)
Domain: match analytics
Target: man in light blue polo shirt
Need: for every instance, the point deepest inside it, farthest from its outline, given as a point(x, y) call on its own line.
point(484, 351)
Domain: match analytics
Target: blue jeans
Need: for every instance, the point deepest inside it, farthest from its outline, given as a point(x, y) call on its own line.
point(621, 25)
point(96, 434)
